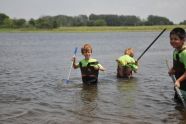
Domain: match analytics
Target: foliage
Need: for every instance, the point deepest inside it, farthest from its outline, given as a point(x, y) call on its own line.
point(183, 23)
point(3, 17)
point(54, 22)
point(100, 22)
point(19, 23)
point(157, 20)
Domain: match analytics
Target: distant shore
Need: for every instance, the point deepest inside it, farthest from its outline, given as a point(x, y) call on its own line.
point(96, 29)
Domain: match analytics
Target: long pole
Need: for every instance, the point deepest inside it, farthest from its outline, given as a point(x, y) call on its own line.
point(67, 80)
point(75, 51)
point(151, 44)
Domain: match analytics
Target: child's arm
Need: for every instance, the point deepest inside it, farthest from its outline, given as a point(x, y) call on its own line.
point(119, 63)
point(180, 79)
point(99, 67)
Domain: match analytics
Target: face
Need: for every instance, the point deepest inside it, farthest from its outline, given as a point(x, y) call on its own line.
point(132, 53)
point(87, 54)
point(176, 42)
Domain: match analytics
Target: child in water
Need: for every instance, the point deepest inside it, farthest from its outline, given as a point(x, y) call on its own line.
point(126, 64)
point(177, 39)
point(89, 67)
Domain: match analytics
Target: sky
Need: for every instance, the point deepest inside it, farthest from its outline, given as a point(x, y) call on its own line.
point(174, 10)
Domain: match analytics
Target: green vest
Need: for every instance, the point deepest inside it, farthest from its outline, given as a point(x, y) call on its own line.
point(179, 65)
point(89, 74)
point(128, 61)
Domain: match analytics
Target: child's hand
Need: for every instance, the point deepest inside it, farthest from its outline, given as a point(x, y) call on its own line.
point(136, 62)
point(99, 67)
point(102, 69)
point(177, 84)
point(74, 62)
point(74, 59)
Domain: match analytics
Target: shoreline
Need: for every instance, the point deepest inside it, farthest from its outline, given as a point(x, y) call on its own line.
point(96, 29)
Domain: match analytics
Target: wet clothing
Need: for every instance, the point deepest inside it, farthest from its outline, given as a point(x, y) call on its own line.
point(124, 72)
point(126, 65)
point(179, 65)
point(88, 72)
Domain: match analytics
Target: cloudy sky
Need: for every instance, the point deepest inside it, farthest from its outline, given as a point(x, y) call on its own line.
point(174, 10)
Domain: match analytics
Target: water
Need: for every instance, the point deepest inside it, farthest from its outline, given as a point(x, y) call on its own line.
point(33, 66)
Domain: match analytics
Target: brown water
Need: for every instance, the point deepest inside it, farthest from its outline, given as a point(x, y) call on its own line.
point(33, 66)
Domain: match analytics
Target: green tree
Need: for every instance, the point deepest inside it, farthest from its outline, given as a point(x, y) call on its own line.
point(183, 22)
point(42, 23)
point(80, 20)
point(157, 20)
point(32, 22)
point(2, 18)
point(46, 22)
point(130, 20)
point(8, 23)
point(19, 23)
point(100, 22)
point(63, 20)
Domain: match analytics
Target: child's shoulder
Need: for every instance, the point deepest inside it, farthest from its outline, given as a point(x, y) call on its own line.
point(184, 47)
point(92, 60)
point(123, 56)
point(183, 50)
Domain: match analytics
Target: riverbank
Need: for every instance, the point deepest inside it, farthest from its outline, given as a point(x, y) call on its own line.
point(96, 29)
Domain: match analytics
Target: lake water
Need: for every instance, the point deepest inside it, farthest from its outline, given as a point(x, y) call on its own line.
point(33, 66)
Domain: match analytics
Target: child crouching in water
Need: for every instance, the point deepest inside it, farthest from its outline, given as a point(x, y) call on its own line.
point(126, 64)
point(89, 67)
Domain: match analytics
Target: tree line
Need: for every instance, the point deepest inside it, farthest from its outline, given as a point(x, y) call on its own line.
point(51, 22)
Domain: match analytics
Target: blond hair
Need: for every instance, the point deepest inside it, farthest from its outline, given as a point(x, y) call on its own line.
point(87, 47)
point(129, 51)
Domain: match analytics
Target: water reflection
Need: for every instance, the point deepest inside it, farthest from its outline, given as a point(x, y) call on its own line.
point(86, 104)
point(127, 89)
point(183, 114)
point(88, 93)
point(127, 84)
point(88, 96)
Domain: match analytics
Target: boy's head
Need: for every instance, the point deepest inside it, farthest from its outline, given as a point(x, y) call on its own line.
point(177, 38)
point(129, 51)
point(180, 32)
point(86, 48)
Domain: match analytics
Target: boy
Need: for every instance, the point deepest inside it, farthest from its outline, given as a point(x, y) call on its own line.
point(126, 64)
point(177, 39)
point(89, 66)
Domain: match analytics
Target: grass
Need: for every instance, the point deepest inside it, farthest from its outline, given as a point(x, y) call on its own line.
point(97, 29)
